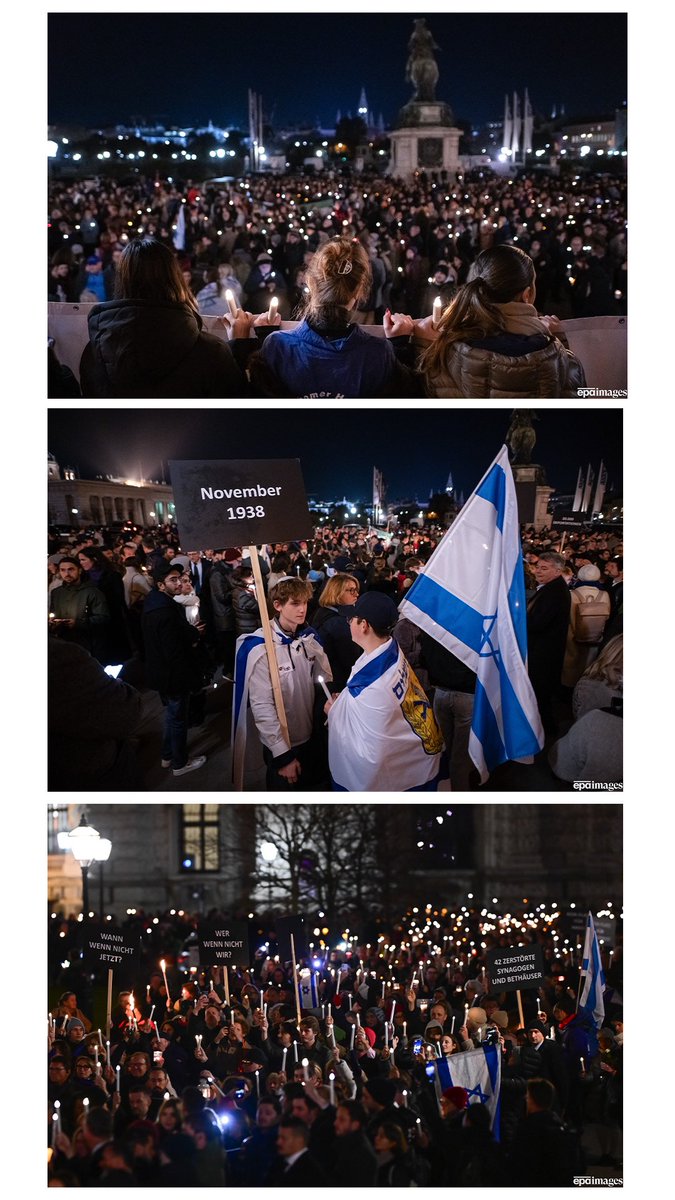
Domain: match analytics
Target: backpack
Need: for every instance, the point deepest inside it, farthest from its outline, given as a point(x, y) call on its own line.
point(588, 617)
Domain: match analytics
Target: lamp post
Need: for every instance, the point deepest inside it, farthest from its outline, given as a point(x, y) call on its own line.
point(269, 852)
point(87, 847)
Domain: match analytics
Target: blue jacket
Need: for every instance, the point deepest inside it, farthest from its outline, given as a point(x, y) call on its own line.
point(311, 366)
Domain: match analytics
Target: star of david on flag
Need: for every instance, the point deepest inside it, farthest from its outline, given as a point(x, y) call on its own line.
point(471, 598)
point(480, 1072)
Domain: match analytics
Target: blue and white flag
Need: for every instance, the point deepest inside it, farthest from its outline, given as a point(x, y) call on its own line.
point(480, 1072)
point(591, 1000)
point(179, 234)
point(471, 598)
point(249, 649)
point(308, 987)
point(382, 733)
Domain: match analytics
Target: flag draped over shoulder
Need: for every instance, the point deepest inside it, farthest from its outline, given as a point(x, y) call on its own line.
point(249, 649)
point(480, 1072)
point(591, 1001)
point(382, 734)
point(471, 599)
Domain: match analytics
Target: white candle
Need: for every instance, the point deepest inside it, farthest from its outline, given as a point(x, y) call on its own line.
point(265, 1010)
point(147, 992)
point(55, 1125)
point(323, 1012)
point(320, 679)
point(85, 1102)
point(551, 1033)
point(152, 1012)
point(383, 989)
point(283, 1058)
point(351, 1044)
point(272, 310)
point(295, 1051)
point(257, 1083)
point(51, 1022)
point(231, 302)
point(538, 1006)
point(349, 1000)
point(107, 1053)
point(331, 1084)
point(386, 1035)
point(480, 1033)
point(405, 1098)
point(436, 312)
point(358, 1020)
point(330, 1010)
point(466, 1013)
point(118, 1070)
point(198, 1039)
point(100, 1039)
point(305, 1069)
point(393, 1011)
point(166, 985)
point(452, 1027)
point(405, 1028)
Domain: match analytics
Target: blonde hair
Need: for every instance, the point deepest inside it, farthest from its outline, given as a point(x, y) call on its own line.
point(336, 584)
point(608, 666)
point(337, 274)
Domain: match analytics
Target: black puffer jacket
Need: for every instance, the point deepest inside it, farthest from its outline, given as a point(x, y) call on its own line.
point(141, 350)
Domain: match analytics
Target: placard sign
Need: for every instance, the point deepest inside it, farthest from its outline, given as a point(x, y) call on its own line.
point(239, 502)
point(515, 967)
point(111, 948)
point(574, 925)
point(223, 944)
point(285, 926)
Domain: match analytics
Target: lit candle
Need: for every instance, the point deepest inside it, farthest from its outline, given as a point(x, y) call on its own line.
point(383, 989)
point(330, 1009)
point(257, 1083)
point(351, 1044)
point(166, 985)
point(466, 1013)
point(405, 1028)
point(147, 993)
point(198, 1039)
point(85, 1102)
point(152, 1013)
point(583, 1065)
point(323, 1012)
point(305, 1069)
point(393, 1011)
point(452, 1027)
point(283, 1058)
point(551, 1033)
point(405, 1098)
point(480, 1033)
point(272, 310)
point(118, 1070)
point(100, 1039)
point(386, 1035)
point(51, 1022)
point(436, 312)
point(231, 302)
point(358, 1020)
point(320, 679)
point(295, 1051)
point(331, 1084)
point(538, 1006)
point(349, 1001)
point(107, 1053)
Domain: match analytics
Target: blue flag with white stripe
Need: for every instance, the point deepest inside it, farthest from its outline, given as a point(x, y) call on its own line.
point(471, 598)
point(308, 987)
point(591, 998)
point(480, 1072)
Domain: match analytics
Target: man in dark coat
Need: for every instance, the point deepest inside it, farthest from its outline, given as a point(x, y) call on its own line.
point(296, 1167)
point(548, 618)
point(542, 1059)
point(353, 1155)
point(79, 612)
point(171, 663)
point(545, 1154)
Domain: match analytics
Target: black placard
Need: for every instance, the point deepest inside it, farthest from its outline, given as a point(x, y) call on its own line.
point(111, 948)
point(574, 925)
point(285, 926)
point(515, 967)
point(239, 502)
point(223, 944)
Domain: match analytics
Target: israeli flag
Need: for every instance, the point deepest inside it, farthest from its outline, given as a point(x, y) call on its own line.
point(382, 733)
point(591, 1000)
point(480, 1072)
point(471, 599)
point(249, 648)
point(308, 986)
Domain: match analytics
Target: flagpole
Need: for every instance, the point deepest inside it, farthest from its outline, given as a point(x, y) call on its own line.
point(296, 989)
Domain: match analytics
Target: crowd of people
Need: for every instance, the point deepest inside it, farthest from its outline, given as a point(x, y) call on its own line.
point(205, 1077)
point(335, 255)
point(175, 621)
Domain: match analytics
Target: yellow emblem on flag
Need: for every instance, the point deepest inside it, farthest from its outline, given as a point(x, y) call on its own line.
point(419, 714)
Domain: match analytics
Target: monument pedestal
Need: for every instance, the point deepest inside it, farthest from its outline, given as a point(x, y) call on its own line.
point(532, 493)
point(425, 139)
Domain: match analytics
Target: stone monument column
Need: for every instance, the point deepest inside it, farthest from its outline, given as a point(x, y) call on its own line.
point(425, 137)
point(532, 489)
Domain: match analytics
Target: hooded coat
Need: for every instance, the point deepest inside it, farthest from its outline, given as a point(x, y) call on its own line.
point(139, 349)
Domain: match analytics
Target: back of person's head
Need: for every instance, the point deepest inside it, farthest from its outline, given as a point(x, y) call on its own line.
point(477, 1117)
point(497, 276)
point(608, 666)
point(395, 1135)
point(540, 1095)
point(281, 562)
point(205, 1122)
point(192, 1101)
point(338, 276)
point(357, 1112)
point(99, 1123)
point(148, 270)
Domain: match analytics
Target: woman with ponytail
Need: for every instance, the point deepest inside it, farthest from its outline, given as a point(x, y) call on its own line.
point(327, 355)
point(491, 342)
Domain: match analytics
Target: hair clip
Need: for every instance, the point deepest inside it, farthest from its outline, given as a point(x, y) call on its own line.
point(345, 268)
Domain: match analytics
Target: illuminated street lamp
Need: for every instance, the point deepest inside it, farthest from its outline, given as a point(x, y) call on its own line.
point(87, 847)
point(269, 852)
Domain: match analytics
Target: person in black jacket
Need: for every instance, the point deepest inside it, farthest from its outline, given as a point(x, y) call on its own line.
point(295, 1166)
point(149, 342)
point(331, 623)
point(171, 663)
point(548, 618)
point(353, 1155)
point(454, 687)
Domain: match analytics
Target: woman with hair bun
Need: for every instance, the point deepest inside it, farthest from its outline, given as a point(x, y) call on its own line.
point(327, 356)
point(491, 342)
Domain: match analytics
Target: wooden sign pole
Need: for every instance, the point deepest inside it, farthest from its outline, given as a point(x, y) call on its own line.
point(520, 1009)
point(271, 658)
point(296, 989)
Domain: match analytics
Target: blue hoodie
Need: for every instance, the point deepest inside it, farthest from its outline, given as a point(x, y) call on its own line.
point(312, 366)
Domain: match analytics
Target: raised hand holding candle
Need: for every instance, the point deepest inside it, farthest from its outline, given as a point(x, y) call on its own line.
point(166, 984)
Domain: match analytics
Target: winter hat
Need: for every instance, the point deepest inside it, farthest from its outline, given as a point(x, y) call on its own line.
point(588, 573)
point(457, 1096)
point(75, 1023)
point(432, 1025)
point(500, 1018)
point(163, 567)
point(370, 1034)
point(477, 1016)
point(383, 1091)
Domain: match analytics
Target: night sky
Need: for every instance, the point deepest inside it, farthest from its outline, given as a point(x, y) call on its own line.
point(186, 68)
point(414, 449)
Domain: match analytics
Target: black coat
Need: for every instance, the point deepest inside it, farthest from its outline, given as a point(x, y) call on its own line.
point(170, 644)
point(547, 1062)
point(548, 618)
point(353, 1159)
point(333, 633)
point(139, 349)
point(305, 1172)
